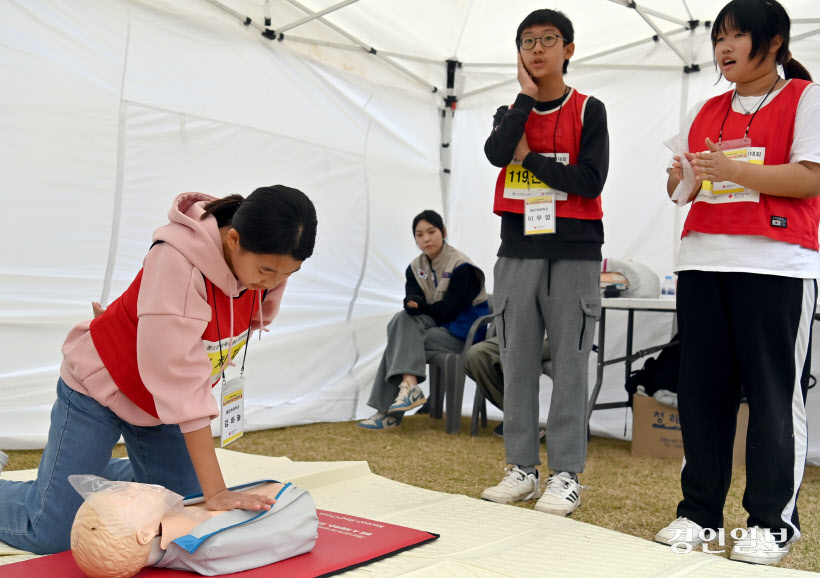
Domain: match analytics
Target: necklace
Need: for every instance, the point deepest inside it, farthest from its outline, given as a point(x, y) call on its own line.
point(759, 106)
point(748, 111)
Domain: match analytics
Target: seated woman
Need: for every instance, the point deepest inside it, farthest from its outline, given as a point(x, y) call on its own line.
point(444, 294)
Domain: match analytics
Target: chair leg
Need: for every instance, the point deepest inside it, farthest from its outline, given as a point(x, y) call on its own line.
point(478, 405)
point(455, 378)
point(435, 402)
point(483, 411)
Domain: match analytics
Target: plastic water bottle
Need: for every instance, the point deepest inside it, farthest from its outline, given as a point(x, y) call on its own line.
point(668, 288)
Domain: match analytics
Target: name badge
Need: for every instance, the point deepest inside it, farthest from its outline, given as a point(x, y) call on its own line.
point(539, 215)
point(232, 410)
point(735, 150)
point(726, 191)
point(519, 183)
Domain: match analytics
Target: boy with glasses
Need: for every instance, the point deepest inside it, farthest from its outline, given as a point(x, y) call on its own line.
point(552, 146)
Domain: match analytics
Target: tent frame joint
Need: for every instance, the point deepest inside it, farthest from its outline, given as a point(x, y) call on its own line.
point(690, 69)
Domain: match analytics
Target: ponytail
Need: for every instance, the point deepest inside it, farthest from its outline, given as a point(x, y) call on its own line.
point(223, 209)
point(793, 69)
point(275, 220)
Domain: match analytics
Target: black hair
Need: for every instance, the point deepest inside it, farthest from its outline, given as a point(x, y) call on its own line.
point(547, 17)
point(276, 220)
point(431, 217)
point(763, 20)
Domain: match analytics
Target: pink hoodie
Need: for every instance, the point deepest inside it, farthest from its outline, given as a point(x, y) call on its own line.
point(173, 313)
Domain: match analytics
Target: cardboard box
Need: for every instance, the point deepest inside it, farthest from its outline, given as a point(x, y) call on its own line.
point(656, 430)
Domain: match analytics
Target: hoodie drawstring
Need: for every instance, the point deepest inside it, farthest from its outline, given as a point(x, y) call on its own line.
point(228, 361)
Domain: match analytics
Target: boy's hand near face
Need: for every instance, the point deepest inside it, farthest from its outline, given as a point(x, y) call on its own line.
point(528, 85)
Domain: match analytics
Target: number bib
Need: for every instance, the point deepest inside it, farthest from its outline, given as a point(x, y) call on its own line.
point(519, 183)
point(232, 409)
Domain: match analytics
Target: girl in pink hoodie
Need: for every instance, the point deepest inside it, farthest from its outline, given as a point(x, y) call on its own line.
point(144, 369)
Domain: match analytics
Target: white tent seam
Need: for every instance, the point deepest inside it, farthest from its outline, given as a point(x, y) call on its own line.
point(117, 208)
point(360, 280)
point(240, 125)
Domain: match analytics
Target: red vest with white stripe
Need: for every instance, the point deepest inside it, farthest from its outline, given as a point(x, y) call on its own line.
point(773, 128)
point(114, 334)
point(540, 130)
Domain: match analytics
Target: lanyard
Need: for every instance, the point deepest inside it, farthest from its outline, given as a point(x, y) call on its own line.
point(759, 106)
point(555, 132)
point(219, 336)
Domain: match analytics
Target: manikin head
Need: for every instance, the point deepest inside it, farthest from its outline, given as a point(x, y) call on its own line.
point(101, 554)
point(114, 529)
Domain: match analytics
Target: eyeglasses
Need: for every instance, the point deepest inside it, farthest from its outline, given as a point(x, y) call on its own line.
point(547, 41)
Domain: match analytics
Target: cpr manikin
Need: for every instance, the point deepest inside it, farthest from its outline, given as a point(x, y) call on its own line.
point(124, 526)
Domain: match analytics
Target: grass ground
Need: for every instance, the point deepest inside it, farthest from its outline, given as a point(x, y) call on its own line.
point(634, 495)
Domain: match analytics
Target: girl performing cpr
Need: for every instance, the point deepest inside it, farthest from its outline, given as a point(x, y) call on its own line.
point(145, 367)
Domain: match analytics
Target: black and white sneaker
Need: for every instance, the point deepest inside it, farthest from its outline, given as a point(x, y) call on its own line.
point(517, 485)
point(562, 495)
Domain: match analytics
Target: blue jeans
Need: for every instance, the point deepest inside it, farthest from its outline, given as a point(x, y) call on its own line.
point(37, 515)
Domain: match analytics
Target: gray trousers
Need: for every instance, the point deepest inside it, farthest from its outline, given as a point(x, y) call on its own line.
point(563, 297)
point(483, 365)
point(411, 341)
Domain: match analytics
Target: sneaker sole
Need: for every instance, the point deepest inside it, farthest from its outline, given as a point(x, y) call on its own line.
point(533, 496)
point(694, 545)
point(413, 405)
point(750, 559)
point(546, 510)
point(368, 428)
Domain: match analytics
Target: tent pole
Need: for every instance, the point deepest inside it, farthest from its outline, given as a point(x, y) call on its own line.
point(805, 35)
point(315, 15)
point(585, 59)
point(582, 66)
point(686, 7)
point(661, 15)
point(366, 47)
point(665, 38)
point(447, 113)
point(273, 34)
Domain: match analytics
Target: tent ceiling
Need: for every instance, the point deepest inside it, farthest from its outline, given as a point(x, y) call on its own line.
point(416, 37)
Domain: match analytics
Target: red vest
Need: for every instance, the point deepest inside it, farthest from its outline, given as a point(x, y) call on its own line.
point(773, 128)
point(114, 334)
point(540, 129)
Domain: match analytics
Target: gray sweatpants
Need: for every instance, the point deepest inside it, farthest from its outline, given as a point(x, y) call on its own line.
point(411, 341)
point(483, 365)
point(563, 297)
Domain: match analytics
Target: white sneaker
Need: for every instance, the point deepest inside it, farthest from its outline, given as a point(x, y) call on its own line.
point(410, 397)
point(759, 547)
point(4, 459)
point(380, 421)
point(681, 531)
point(562, 496)
point(516, 485)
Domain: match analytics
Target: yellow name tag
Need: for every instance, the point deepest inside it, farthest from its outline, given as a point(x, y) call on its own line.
point(232, 411)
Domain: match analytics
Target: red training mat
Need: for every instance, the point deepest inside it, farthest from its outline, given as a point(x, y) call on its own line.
point(344, 543)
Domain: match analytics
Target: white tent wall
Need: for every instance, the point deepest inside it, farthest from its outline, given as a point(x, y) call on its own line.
point(110, 109)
